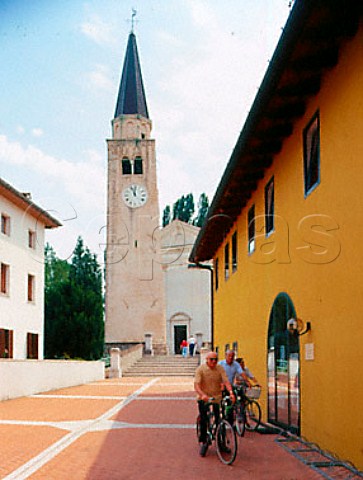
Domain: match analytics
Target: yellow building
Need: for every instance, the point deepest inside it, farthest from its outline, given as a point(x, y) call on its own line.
point(285, 231)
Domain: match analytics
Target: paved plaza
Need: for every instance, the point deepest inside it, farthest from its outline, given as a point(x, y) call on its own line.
point(129, 428)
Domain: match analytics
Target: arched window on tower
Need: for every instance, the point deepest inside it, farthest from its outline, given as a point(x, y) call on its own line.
point(126, 166)
point(138, 166)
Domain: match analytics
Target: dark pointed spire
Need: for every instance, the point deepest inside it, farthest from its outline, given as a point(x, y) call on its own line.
point(131, 96)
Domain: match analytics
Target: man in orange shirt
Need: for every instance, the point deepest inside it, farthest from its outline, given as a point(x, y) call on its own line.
point(207, 383)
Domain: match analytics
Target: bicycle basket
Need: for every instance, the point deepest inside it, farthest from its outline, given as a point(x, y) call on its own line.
point(253, 392)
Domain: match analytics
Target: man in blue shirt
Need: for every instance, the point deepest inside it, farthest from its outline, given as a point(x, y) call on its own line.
point(232, 367)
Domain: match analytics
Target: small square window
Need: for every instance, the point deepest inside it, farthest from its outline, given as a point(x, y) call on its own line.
point(5, 224)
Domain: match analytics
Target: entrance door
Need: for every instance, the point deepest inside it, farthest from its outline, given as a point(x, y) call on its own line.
point(180, 334)
point(283, 367)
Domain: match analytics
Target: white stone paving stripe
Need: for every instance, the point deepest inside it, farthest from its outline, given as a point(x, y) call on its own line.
point(48, 454)
point(91, 397)
point(166, 398)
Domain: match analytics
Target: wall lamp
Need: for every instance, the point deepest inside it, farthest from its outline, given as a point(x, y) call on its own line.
point(298, 325)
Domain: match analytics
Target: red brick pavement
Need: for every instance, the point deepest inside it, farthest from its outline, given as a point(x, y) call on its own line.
point(148, 435)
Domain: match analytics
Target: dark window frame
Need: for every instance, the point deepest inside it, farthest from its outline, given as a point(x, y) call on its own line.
point(251, 229)
point(31, 288)
point(234, 252)
point(270, 206)
point(32, 345)
point(311, 147)
point(6, 343)
point(4, 278)
point(226, 261)
point(32, 236)
point(216, 268)
point(5, 224)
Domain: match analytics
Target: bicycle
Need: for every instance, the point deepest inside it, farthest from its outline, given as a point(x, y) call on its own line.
point(222, 432)
point(247, 409)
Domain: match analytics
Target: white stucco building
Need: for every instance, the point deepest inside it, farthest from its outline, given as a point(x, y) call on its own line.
point(187, 290)
point(23, 226)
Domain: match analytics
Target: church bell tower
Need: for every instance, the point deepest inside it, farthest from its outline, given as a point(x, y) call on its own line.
point(135, 304)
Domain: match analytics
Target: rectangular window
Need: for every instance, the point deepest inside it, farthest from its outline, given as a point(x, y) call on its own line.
point(311, 139)
point(31, 239)
point(235, 348)
point(216, 273)
point(31, 288)
point(4, 271)
point(6, 343)
point(138, 166)
point(32, 345)
point(234, 252)
point(226, 261)
point(126, 166)
point(5, 224)
point(251, 229)
point(269, 206)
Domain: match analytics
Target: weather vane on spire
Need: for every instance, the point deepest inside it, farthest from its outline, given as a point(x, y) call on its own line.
point(134, 12)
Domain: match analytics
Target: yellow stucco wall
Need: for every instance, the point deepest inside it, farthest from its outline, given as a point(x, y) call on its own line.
point(324, 283)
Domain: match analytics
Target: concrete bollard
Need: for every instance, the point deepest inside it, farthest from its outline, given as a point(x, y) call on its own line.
point(115, 368)
point(203, 353)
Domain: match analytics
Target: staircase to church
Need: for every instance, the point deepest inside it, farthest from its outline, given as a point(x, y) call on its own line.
point(163, 365)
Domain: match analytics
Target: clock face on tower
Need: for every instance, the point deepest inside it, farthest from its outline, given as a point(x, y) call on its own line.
point(134, 196)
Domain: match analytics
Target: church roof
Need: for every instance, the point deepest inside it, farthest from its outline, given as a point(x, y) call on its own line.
point(131, 97)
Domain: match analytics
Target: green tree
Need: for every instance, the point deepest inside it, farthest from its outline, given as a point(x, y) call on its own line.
point(74, 307)
point(203, 205)
point(183, 208)
point(166, 216)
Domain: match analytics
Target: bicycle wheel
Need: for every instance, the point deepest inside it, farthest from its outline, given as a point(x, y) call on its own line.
point(253, 415)
point(197, 426)
point(226, 442)
point(240, 420)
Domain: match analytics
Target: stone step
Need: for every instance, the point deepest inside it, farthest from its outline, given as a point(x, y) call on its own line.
point(155, 366)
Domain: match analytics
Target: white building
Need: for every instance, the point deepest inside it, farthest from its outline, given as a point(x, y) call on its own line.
point(187, 290)
point(22, 274)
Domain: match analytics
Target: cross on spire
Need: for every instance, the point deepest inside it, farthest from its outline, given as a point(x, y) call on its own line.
point(133, 15)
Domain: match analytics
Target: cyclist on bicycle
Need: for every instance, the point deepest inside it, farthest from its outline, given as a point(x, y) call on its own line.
point(207, 383)
point(233, 369)
point(246, 379)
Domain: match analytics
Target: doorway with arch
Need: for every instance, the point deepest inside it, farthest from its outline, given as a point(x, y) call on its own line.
point(283, 366)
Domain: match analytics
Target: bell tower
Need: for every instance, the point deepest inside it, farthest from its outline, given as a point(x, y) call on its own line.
point(135, 303)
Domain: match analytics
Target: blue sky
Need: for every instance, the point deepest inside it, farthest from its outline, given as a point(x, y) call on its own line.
point(202, 62)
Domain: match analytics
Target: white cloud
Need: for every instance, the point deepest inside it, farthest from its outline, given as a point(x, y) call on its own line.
point(37, 132)
point(20, 129)
point(100, 78)
point(82, 181)
point(98, 30)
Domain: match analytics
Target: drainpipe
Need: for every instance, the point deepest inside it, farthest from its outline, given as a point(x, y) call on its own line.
point(202, 266)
